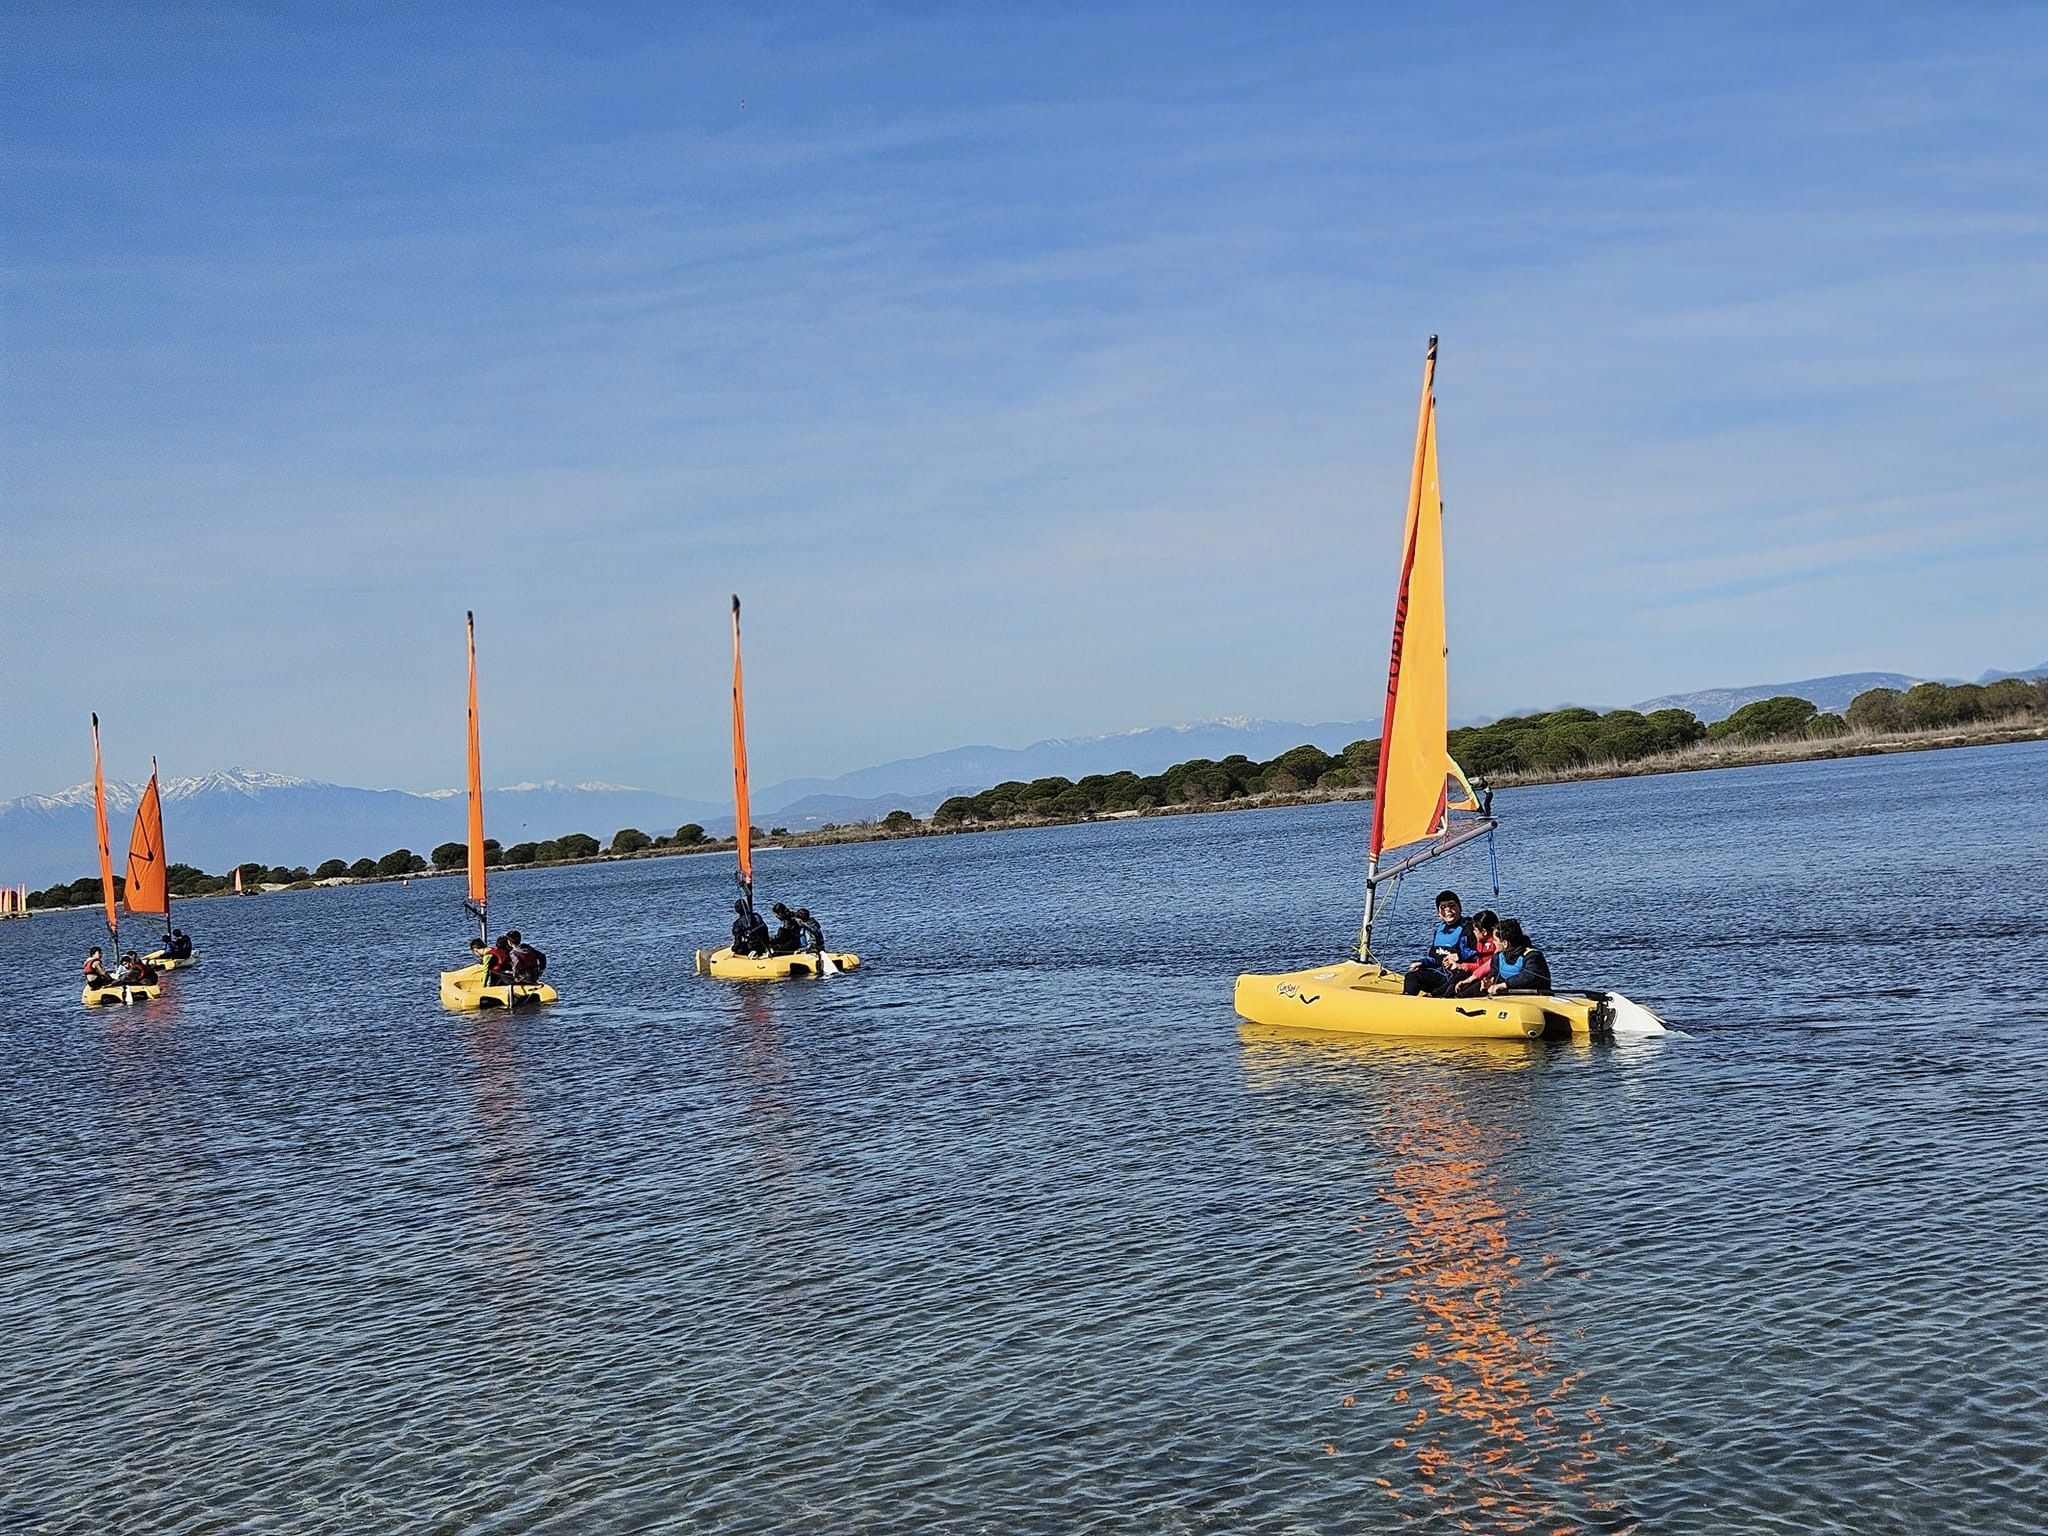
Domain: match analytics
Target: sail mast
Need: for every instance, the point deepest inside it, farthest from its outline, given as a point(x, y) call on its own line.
point(742, 813)
point(1413, 721)
point(99, 807)
point(1414, 790)
point(479, 887)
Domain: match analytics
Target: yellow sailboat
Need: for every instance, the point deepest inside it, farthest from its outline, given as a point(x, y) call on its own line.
point(467, 990)
point(1423, 807)
point(121, 992)
point(724, 963)
point(147, 890)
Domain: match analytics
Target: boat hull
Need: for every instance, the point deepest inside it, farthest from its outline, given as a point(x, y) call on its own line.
point(115, 997)
point(1348, 998)
point(727, 966)
point(464, 991)
point(164, 963)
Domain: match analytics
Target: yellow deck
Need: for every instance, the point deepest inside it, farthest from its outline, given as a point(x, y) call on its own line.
point(727, 966)
point(114, 997)
point(164, 963)
point(1349, 998)
point(464, 992)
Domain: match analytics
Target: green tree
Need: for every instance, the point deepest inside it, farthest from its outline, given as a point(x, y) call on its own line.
point(1926, 706)
point(1765, 720)
point(1821, 727)
point(630, 840)
point(397, 862)
point(688, 835)
point(363, 869)
point(451, 855)
point(2009, 696)
point(578, 845)
point(521, 853)
point(899, 821)
point(1876, 709)
point(1297, 769)
point(333, 869)
point(494, 853)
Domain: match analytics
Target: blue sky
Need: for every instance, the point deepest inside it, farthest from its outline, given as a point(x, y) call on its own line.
point(1030, 371)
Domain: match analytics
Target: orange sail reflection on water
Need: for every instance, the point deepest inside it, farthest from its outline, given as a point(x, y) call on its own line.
point(1500, 1431)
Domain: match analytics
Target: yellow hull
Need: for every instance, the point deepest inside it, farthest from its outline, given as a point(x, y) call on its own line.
point(464, 992)
point(114, 997)
point(727, 966)
point(163, 963)
point(1348, 998)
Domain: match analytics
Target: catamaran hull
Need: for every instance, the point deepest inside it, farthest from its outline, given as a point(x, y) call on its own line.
point(115, 997)
point(1348, 998)
point(464, 991)
point(164, 963)
point(727, 966)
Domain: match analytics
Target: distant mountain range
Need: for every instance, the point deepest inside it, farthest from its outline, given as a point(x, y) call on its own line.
point(1827, 693)
point(221, 819)
point(218, 820)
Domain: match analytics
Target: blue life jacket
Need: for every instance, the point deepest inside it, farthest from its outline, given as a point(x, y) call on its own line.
point(1509, 970)
point(1457, 936)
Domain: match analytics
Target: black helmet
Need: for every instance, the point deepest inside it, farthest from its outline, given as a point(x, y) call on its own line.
point(739, 906)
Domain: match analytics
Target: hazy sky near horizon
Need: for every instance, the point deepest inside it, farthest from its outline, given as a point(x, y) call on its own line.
point(1029, 371)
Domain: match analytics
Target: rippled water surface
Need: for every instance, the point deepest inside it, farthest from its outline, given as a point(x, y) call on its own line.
point(1017, 1231)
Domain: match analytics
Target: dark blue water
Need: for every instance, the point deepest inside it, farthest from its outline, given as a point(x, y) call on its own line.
point(1017, 1231)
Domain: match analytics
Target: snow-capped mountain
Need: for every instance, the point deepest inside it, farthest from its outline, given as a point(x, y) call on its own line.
point(217, 820)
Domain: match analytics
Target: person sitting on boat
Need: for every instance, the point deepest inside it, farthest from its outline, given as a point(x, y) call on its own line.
point(813, 931)
point(749, 932)
point(177, 946)
point(1519, 965)
point(527, 962)
point(502, 964)
point(95, 970)
point(132, 970)
point(482, 953)
point(789, 934)
point(1468, 977)
point(1449, 945)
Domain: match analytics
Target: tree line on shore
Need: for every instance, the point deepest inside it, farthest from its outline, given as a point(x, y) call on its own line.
point(184, 880)
point(1552, 741)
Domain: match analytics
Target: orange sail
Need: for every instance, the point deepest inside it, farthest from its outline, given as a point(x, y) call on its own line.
point(478, 883)
point(99, 807)
point(743, 816)
point(148, 889)
point(1418, 781)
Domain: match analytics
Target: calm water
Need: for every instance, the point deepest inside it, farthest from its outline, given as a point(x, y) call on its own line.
point(1016, 1231)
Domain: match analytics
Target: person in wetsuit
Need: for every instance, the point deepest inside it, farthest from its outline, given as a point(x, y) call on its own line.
point(1518, 966)
point(1450, 946)
point(749, 932)
point(813, 931)
point(177, 946)
point(788, 937)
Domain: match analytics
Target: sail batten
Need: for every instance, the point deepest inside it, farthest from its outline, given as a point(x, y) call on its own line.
point(147, 892)
point(742, 812)
point(479, 886)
